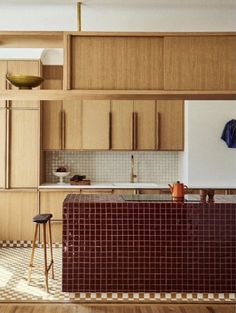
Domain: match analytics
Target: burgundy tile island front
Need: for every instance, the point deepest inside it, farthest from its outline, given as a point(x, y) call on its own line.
point(112, 245)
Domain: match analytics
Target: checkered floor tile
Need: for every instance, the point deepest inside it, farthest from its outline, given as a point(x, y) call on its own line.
point(14, 286)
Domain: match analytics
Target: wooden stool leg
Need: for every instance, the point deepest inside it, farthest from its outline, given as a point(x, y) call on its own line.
point(45, 257)
point(50, 240)
point(32, 253)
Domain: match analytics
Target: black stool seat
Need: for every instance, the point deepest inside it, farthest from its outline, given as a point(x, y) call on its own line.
point(42, 218)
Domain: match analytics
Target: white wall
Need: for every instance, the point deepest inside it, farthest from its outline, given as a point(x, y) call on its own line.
point(207, 159)
point(115, 15)
point(119, 15)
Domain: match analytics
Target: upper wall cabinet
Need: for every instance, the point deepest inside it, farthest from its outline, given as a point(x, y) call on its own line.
point(150, 61)
point(200, 63)
point(116, 62)
point(96, 125)
point(169, 125)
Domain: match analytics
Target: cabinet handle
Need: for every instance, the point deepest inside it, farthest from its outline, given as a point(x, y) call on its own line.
point(132, 131)
point(7, 177)
point(135, 130)
point(157, 130)
point(60, 129)
point(63, 129)
point(110, 130)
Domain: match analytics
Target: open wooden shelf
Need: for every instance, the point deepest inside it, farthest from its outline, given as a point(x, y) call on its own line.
point(116, 94)
point(31, 39)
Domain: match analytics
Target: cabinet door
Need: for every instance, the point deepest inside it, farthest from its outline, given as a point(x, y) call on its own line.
point(121, 124)
point(24, 68)
point(24, 148)
point(3, 113)
point(72, 121)
point(52, 110)
point(200, 63)
point(52, 125)
point(170, 125)
point(17, 209)
point(51, 202)
point(3, 71)
point(144, 124)
point(96, 125)
point(114, 62)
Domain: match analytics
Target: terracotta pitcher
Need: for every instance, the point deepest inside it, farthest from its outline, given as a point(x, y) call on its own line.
point(178, 190)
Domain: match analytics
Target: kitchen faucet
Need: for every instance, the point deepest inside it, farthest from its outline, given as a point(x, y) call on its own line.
point(132, 175)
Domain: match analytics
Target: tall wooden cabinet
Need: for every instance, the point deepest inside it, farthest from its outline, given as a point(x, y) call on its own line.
point(23, 151)
point(19, 156)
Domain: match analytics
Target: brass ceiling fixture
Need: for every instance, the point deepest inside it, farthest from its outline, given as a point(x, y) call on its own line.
point(79, 16)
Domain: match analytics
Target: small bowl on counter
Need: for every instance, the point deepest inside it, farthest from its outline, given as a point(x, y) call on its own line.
point(61, 175)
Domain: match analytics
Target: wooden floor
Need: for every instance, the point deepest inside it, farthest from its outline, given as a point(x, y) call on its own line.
point(117, 308)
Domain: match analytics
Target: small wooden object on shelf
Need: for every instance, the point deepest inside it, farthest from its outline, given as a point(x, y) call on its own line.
point(81, 182)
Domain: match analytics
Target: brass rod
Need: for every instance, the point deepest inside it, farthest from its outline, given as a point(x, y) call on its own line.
point(79, 16)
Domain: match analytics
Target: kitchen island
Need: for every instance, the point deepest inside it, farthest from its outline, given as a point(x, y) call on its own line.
point(112, 244)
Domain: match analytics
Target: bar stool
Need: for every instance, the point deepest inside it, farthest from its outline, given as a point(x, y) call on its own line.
point(42, 219)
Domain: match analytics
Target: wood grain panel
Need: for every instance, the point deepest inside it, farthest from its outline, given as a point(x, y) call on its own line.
point(24, 148)
point(51, 116)
point(16, 212)
point(170, 131)
point(117, 62)
point(200, 63)
point(121, 128)
point(95, 118)
point(145, 129)
point(2, 147)
point(51, 125)
point(24, 68)
point(72, 125)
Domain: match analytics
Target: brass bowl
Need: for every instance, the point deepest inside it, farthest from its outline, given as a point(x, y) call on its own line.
point(24, 81)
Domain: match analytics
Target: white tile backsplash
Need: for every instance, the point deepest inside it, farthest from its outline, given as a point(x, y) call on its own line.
point(110, 166)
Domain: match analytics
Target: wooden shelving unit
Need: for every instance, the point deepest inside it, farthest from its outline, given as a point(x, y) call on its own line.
point(116, 95)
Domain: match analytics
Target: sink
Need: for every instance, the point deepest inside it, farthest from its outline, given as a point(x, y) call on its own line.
point(135, 185)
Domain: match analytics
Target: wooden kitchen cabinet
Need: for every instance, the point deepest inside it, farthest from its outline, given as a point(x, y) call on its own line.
point(96, 125)
point(17, 209)
point(169, 125)
point(96, 191)
point(23, 170)
point(52, 125)
point(51, 202)
point(144, 125)
point(116, 62)
point(200, 63)
point(121, 125)
point(61, 125)
point(72, 125)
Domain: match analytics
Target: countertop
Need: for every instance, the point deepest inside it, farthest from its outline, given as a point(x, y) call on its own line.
point(125, 185)
point(106, 186)
point(77, 199)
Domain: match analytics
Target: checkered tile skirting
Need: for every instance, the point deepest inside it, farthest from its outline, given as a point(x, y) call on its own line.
point(14, 287)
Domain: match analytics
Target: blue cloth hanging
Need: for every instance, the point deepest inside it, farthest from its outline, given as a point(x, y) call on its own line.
point(229, 134)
